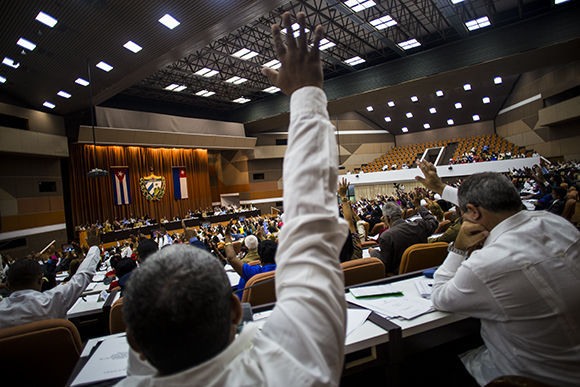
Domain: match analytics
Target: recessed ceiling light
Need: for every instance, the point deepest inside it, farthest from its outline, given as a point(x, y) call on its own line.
point(82, 82)
point(426, 125)
point(296, 28)
point(457, 1)
point(132, 46)
point(206, 72)
point(169, 21)
point(245, 54)
point(497, 80)
point(180, 88)
point(408, 44)
point(27, 44)
point(236, 80)
point(241, 100)
point(205, 93)
point(63, 94)
point(485, 100)
point(414, 98)
point(359, 5)
point(370, 109)
point(272, 89)
point(450, 122)
point(383, 22)
point(273, 64)
point(458, 105)
point(46, 19)
point(104, 66)
point(10, 62)
point(475, 117)
point(49, 105)
point(409, 115)
point(432, 110)
point(388, 119)
point(439, 93)
point(391, 103)
point(2, 79)
point(404, 129)
point(476, 24)
point(325, 44)
point(467, 87)
point(171, 87)
point(556, 2)
point(355, 60)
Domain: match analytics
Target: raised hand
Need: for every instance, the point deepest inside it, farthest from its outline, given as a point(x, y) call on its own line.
point(431, 181)
point(300, 66)
point(343, 187)
point(93, 237)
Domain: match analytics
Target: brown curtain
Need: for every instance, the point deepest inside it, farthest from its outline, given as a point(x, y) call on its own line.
point(93, 198)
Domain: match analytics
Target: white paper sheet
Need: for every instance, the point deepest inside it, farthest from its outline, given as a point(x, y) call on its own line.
point(98, 277)
point(233, 277)
point(375, 290)
point(92, 342)
point(393, 307)
point(108, 362)
point(355, 318)
point(91, 286)
point(424, 287)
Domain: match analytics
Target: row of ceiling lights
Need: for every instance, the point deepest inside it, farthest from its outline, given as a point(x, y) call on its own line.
point(439, 93)
point(50, 21)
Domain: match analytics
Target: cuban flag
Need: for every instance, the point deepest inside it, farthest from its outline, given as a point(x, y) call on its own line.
point(121, 185)
point(180, 183)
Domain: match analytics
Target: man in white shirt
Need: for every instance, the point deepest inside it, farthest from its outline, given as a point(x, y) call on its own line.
point(523, 283)
point(180, 312)
point(27, 304)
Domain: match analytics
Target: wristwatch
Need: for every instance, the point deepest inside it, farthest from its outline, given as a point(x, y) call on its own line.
point(453, 249)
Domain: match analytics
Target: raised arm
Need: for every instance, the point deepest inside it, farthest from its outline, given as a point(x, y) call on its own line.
point(433, 182)
point(309, 318)
point(345, 203)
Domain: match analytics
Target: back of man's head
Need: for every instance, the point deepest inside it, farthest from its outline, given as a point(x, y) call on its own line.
point(267, 252)
point(177, 308)
point(124, 266)
point(392, 211)
point(491, 191)
point(24, 274)
point(251, 242)
point(146, 248)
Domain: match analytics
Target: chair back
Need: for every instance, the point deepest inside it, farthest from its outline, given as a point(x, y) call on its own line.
point(48, 349)
point(569, 209)
point(261, 293)
point(362, 270)
point(377, 228)
point(254, 262)
point(116, 321)
point(423, 256)
point(443, 226)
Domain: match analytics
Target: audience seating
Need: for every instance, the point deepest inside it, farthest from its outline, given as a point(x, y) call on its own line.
point(515, 381)
point(443, 226)
point(254, 262)
point(116, 321)
point(409, 153)
point(377, 228)
point(42, 353)
point(423, 256)
point(362, 270)
point(569, 209)
point(262, 293)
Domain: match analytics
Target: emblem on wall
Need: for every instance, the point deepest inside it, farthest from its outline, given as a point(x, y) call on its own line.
point(152, 187)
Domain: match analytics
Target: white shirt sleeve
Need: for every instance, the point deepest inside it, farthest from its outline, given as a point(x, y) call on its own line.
point(309, 318)
point(64, 296)
point(450, 194)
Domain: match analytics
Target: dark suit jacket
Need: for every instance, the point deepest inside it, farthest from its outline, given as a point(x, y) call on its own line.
point(401, 235)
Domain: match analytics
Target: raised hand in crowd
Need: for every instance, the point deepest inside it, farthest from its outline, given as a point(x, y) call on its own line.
point(300, 67)
point(431, 180)
point(93, 236)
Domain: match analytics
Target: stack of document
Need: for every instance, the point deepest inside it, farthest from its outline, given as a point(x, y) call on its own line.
point(394, 307)
point(98, 277)
point(376, 290)
point(108, 362)
point(424, 287)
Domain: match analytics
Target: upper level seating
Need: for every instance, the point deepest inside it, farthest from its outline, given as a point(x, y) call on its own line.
point(407, 154)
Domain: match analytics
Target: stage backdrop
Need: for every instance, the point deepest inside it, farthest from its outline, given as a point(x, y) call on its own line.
point(93, 199)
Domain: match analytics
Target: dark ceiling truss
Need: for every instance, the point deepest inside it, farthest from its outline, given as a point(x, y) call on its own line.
point(431, 22)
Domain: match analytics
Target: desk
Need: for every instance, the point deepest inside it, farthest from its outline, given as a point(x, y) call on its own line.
point(371, 338)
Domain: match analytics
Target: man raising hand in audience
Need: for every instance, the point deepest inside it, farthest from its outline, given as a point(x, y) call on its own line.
point(523, 283)
point(179, 309)
point(27, 304)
